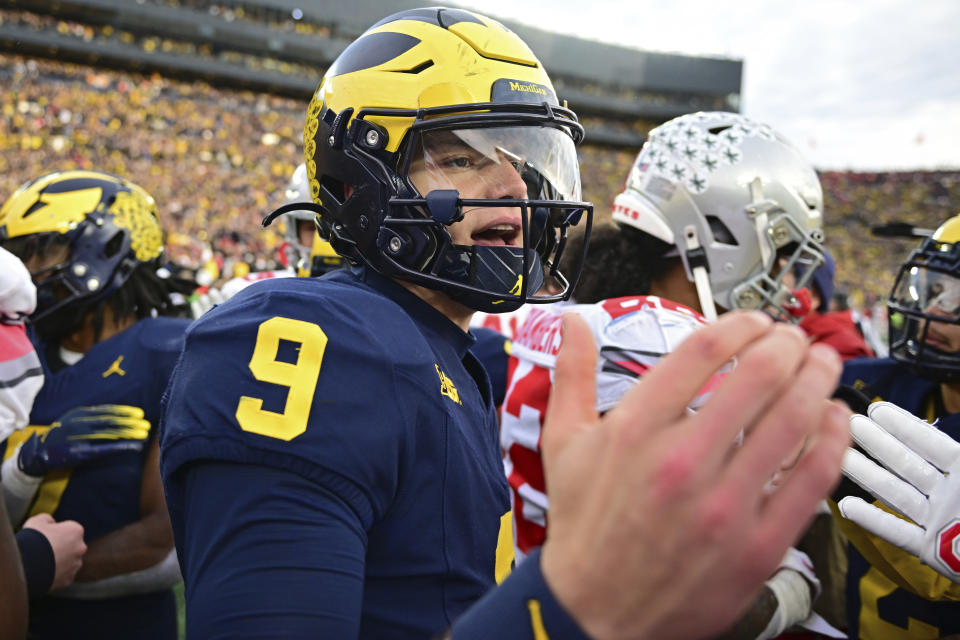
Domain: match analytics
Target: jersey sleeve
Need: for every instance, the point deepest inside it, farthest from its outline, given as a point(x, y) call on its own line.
point(522, 608)
point(20, 378)
point(281, 379)
point(277, 528)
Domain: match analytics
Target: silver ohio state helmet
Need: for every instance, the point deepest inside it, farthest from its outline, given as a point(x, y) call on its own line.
point(741, 205)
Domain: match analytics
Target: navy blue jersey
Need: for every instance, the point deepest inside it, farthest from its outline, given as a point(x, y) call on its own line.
point(492, 349)
point(130, 368)
point(890, 594)
point(329, 452)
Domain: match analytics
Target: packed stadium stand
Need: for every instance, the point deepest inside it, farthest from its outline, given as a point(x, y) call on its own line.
point(202, 103)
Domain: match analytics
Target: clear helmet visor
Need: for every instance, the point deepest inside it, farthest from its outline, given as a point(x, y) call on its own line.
point(516, 186)
point(925, 318)
point(532, 162)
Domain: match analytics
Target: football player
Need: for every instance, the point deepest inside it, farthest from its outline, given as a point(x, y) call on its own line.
point(51, 552)
point(633, 329)
point(732, 215)
point(330, 445)
point(890, 594)
point(93, 245)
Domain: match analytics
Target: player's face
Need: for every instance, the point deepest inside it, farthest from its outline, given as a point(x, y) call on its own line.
point(305, 230)
point(944, 301)
point(450, 162)
point(40, 261)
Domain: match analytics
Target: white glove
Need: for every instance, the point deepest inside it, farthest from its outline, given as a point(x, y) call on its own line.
point(924, 485)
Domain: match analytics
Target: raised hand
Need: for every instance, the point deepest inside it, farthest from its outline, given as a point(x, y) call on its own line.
point(919, 478)
point(659, 526)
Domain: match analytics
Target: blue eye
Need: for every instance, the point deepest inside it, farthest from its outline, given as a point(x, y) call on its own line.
point(459, 162)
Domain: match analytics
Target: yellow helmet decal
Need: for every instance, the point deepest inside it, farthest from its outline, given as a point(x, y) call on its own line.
point(39, 207)
point(949, 231)
point(135, 211)
point(31, 209)
point(413, 57)
point(493, 40)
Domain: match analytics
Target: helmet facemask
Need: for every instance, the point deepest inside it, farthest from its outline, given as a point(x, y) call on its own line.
point(479, 199)
point(924, 312)
point(789, 256)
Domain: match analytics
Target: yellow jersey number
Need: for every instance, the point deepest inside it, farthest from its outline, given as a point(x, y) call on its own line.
point(300, 377)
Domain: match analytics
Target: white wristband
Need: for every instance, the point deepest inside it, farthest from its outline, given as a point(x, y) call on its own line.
point(792, 592)
point(19, 488)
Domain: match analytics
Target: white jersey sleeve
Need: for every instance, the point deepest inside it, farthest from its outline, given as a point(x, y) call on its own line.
point(631, 335)
point(20, 378)
point(18, 295)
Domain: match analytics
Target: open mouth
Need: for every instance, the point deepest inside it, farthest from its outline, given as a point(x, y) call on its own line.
point(503, 234)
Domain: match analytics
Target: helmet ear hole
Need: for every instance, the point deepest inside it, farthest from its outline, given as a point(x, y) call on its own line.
point(721, 232)
point(113, 245)
point(334, 188)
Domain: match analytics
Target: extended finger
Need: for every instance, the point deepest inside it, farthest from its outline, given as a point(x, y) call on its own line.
point(894, 530)
point(572, 404)
point(125, 410)
point(885, 486)
point(894, 454)
point(762, 371)
point(928, 441)
point(665, 391)
point(795, 413)
point(786, 512)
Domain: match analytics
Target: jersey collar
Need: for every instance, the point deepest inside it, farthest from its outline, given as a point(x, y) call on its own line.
point(419, 310)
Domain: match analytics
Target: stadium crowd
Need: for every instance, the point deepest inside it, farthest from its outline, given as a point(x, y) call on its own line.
point(217, 159)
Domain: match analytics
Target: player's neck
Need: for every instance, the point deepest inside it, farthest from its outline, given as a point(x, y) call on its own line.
point(674, 286)
point(950, 393)
point(83, 339)
point(456, 312)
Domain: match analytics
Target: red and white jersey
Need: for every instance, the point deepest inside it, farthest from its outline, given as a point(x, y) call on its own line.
point(20, 378)
point(631, 335)
point(20, 373)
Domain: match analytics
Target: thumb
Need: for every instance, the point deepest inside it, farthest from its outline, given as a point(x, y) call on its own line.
point(572, 405)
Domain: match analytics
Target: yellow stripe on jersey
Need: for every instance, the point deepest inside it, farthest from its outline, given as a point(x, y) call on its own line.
point(536, 621)
point(505, 549)
point(50, 492)
point(54, 482)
